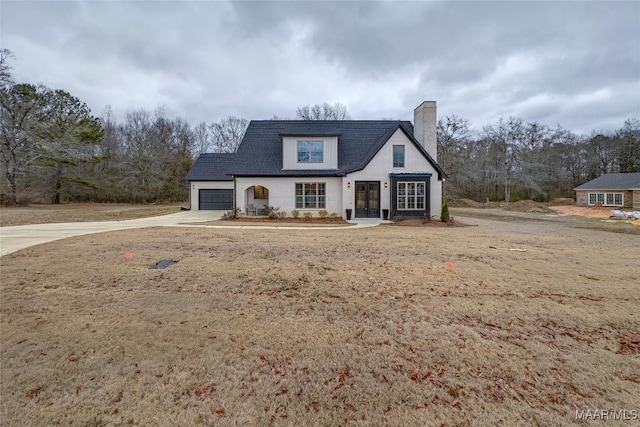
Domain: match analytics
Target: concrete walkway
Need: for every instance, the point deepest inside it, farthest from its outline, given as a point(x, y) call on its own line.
point(18, 237)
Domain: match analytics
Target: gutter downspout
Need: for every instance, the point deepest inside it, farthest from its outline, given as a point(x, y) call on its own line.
point(234, 192)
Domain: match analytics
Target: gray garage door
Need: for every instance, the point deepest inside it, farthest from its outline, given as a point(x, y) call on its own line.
point(216, 200)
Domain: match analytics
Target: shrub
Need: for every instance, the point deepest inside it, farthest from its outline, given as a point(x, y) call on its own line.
point(333, 216)
point(295, 213)
point(323, 213)
point(234, 214)
point(308, 216)
point(444, 215)
point(273, 212)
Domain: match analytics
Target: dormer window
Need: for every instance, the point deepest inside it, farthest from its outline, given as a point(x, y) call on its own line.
point(310, 151)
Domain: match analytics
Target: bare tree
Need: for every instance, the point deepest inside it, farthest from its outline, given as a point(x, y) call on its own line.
point(276, 117)
point(453, 135)
point(326, 111)
point(6, 79)
point(21, 111)
point(505, 138)
point(157, 156)
point(628, 146)
point(570, 151)
point(202, 138)
point(227, 134)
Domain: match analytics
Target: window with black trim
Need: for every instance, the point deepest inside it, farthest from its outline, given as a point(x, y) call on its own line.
point(398, 156)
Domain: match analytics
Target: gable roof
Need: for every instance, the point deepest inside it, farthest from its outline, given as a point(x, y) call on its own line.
point(212, 167)
point(260, 153)
point(613, 181)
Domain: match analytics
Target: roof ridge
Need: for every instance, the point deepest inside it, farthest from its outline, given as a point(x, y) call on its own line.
point(329, 121)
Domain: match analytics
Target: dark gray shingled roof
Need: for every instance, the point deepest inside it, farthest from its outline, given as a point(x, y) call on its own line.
point(260, 153)
point(212, 167)
point(613, 181)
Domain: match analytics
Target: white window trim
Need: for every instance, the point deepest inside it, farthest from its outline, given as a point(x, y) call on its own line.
point(321, 142)
point(295, 195)
point(415, 196)
point(604, 195)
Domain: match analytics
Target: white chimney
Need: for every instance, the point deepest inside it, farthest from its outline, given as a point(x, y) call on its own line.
point(425, 127)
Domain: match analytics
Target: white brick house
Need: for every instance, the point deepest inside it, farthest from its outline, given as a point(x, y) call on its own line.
point(366, 168)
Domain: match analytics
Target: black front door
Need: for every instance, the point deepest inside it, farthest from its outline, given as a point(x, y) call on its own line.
point(367, 199)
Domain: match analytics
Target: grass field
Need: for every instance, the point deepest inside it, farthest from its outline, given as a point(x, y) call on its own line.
point(80, 212)
point(511, 322)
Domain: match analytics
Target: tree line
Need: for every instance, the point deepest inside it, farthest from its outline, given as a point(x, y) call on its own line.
point(52, 149)
point(512, 159)
point(45, 135)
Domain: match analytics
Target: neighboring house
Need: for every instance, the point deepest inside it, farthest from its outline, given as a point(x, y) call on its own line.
point(364, 166)
point(612, 189)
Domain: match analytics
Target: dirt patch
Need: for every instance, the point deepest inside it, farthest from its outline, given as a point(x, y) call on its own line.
point(527, 206)
point(576, 222)
point(376, 326)
point(583, 211)
point(80, 212)
point(602, 213)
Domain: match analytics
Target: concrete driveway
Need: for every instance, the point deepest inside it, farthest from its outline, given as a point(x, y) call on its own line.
point(18, 237)
point(13, 239)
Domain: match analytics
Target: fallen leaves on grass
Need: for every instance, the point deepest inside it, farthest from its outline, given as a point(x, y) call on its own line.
point(428, 376)
point(344, 375)
point(34, 392)
point(634, 378)
point(628, 345)
point(201, 392)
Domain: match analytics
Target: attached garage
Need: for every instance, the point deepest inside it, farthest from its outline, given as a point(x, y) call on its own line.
point(211, 183)
point(215, 200)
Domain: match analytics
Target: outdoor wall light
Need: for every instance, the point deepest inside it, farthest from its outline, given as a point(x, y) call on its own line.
point(348, 185)
point(386, 185)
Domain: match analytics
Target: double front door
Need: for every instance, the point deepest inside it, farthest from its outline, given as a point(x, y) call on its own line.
point(367, 199)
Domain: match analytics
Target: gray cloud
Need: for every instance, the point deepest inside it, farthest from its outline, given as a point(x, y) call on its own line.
point(572, 63)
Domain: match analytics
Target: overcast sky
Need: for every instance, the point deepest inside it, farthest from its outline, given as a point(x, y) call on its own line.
point(576, 64)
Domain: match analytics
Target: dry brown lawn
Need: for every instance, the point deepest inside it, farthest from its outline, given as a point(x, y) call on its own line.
point(512, 322)
point(80, 212)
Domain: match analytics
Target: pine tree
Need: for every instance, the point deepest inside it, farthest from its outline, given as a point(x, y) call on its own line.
point(444, 215)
